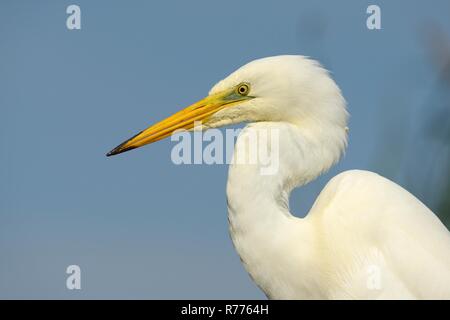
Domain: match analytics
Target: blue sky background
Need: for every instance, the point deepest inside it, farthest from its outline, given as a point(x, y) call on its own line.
point(138, 225)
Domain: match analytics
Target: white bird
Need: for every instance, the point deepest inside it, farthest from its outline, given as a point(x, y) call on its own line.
point(365, 236)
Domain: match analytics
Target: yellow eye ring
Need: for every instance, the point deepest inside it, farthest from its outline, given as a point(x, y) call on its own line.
point(243, 89)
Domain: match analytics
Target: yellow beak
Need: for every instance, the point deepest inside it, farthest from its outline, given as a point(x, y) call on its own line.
point(184, 119)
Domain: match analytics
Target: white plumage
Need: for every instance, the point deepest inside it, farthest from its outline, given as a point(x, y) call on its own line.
point(364, 238)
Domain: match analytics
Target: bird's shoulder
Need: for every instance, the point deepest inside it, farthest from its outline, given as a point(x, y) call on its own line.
point(369, 198)
point(362, 210)
point(380, 209)
point(366, 192)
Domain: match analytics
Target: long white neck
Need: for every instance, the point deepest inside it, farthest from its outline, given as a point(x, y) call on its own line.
point(261, 225)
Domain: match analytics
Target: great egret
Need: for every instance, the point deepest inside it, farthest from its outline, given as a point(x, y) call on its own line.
point(364, 238)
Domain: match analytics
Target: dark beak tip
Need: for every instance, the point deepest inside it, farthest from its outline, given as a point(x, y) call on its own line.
point(119, 149)
point(115, 151)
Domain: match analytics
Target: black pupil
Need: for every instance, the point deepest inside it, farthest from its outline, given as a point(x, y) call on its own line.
point(242, 89)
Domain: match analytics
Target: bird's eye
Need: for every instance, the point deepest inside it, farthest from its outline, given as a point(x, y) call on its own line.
point(243, 89)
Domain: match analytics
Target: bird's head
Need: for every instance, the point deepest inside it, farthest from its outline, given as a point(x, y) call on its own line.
point(286, 88)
